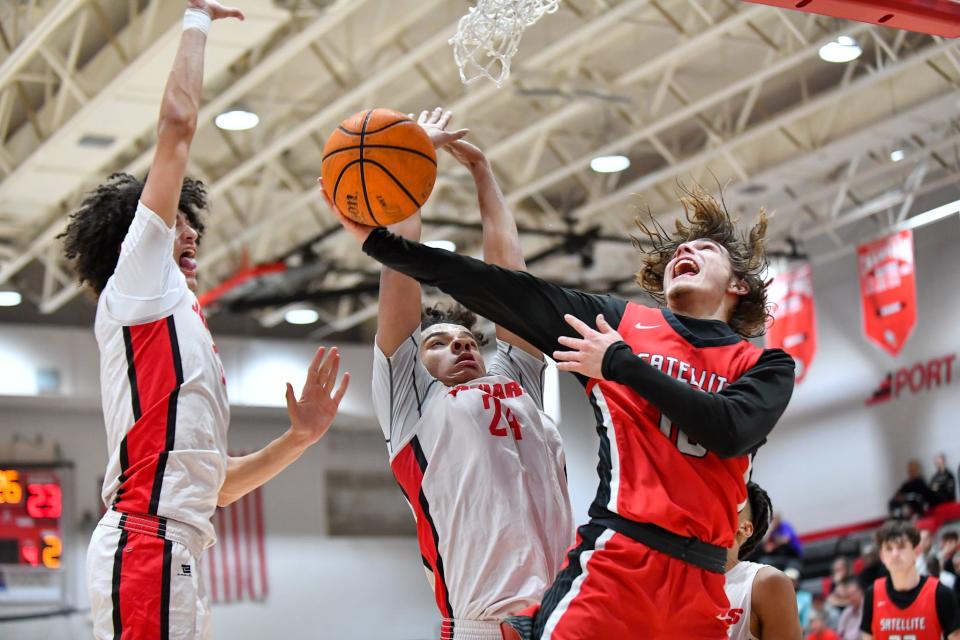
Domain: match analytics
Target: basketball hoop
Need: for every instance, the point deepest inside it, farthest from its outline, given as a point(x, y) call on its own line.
point(489, 35)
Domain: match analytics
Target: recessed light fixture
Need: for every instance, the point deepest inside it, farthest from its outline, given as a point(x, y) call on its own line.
point(897, 155)
point(237, 119)
point(301, 316)
point(441, 244)
point(843, 49)
point(10, 298)
point(609, 164)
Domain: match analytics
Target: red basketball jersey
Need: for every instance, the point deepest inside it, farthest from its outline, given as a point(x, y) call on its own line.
point(650, 470)
point(919, 621)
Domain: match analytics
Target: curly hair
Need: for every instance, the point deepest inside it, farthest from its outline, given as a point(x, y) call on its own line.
point(96, 230)
point(453, 313)
point(706, 217)
point(761, 512)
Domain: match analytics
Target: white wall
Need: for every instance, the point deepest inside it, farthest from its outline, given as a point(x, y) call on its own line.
point(832, 460)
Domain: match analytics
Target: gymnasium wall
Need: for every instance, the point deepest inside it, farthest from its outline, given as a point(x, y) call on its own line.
point(834, 460)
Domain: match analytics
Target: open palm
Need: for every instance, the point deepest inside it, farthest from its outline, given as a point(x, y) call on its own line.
point(313, 412)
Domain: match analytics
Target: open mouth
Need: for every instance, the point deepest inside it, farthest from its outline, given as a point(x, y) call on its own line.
point(466, 358)
point(685, 267)
point(187, 261)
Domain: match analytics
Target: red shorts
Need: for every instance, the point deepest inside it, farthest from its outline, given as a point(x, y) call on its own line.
point(612, 586)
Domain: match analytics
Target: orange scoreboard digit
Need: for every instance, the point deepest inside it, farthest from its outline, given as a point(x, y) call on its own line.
point(31, 503)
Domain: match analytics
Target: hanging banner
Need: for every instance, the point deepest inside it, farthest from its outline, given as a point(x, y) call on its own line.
point(888, 290)
point(794, 327)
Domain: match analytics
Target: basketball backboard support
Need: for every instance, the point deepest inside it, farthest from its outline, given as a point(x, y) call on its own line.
point(933, 17)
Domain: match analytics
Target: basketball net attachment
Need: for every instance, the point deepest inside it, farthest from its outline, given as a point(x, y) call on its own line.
point(489, 35)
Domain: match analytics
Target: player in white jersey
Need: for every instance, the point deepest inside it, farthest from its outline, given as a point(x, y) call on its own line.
point(763, 605)
point(479, 462)
point(163, 387)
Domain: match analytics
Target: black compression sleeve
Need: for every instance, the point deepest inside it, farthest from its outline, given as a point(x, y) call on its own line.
point(729, 423)
point(866, 621)
point(519, 302)
point(948, 611)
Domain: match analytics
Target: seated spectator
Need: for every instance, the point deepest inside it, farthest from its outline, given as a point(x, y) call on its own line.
point(872, 567)
point(819, 629)
point(913, 497)
point(943, 484)
point(818, 607)
point(925, 554)
point(948, 548)
point(837, 597)
point(782, 546)
point(804, 597)
point(848, 627)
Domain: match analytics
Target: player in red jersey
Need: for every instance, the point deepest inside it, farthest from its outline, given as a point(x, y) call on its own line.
point(164, 393)
point(906, 605)
point(681, 400)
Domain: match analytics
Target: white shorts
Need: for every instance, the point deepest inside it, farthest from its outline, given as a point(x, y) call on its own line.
point(142, 577)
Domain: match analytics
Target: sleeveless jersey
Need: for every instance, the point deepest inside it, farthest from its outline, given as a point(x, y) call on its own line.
point(162, 386)
point(919, 621)
point(483, 471)
point(738, 586)
point(650, 471)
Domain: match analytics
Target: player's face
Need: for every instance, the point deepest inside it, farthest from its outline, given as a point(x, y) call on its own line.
point(185, 250)
point(898, 555)
point(451, 354)
point(700, 270)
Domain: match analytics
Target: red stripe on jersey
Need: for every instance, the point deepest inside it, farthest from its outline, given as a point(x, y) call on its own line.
point(144, 589)
point(155, 373)
point(408, 468)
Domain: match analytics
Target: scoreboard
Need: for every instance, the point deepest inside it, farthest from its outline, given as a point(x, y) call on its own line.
point(31, 506)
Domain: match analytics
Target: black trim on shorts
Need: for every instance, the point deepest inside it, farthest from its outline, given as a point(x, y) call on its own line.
point(589, 533)
point(117, 572)
point(165, 590)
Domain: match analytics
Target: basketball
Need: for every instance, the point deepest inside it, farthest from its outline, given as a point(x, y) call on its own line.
point(379, 167)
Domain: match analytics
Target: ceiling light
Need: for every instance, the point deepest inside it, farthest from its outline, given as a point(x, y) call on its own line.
point(897, 155)
point(609, 164)
point(441, 244)
point(9, 298)
point(301, 316)
point(237, 120)
point(843, 49)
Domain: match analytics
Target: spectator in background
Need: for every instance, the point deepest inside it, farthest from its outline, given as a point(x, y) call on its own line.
point(913, 497)
point(848, 627)
point(837, 597)
point(872, 567)
point(925, 553)
point(819, 629)
point(943, 484)
point(804, 597)
point(948, 549)
point(782, 547)
point(956, 572)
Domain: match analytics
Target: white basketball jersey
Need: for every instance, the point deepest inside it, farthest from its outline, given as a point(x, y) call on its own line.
point(162, 385)
point(483, 470)
point(739, 590)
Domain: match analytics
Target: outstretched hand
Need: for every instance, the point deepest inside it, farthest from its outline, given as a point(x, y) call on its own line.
point(357, 230)
point(215, 10)
point(435, 124)
point(312, 414)
point(586, 354)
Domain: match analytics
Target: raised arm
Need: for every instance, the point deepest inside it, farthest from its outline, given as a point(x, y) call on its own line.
point(398, 314)
point(178, 110)
point(501, 242)
point(310, 417)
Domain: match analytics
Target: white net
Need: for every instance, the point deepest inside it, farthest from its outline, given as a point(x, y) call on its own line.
point(489, 35)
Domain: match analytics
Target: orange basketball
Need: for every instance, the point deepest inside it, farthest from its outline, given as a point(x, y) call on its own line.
point(379, 167)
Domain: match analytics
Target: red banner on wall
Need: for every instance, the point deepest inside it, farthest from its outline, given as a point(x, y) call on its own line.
point(888, 290)
point(794, 327)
